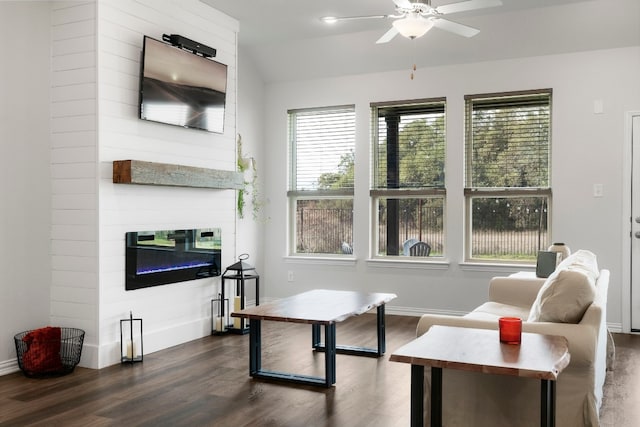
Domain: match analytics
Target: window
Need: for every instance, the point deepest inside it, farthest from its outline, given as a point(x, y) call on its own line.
point(322, 156)
point(507, 185)
point(408, 184)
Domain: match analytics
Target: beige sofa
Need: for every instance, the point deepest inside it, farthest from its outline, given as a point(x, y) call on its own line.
point(476, 399)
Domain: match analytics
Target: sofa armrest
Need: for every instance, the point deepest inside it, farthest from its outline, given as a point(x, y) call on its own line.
point(583, 339)
point(428, 320)
point(519, 291)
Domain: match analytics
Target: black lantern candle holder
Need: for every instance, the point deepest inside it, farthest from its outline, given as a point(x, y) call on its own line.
point(219, 315)
point(131, 349)
point(240, 273)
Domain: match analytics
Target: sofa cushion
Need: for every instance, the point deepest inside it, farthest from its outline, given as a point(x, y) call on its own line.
point(568, 291)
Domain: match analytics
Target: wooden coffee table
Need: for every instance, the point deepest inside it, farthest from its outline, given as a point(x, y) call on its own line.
point(539, 356)
point(318, 308)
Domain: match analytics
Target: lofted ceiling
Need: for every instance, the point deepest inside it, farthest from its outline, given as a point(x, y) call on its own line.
point(286, 40)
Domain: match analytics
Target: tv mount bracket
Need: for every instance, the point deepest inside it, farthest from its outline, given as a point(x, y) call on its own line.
point(190, 45)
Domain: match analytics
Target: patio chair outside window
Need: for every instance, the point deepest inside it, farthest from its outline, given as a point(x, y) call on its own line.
point(407, 244)
point(420, 249)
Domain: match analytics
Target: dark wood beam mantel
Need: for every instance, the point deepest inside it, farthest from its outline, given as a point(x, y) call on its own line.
point(151, 173)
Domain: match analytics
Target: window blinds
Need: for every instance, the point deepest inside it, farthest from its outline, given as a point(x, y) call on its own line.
point(508, 140)
point(410, 146)
point(322, 148)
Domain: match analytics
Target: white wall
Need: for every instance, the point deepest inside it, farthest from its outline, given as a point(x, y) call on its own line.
point(25, 190)
point(250, 127)
point(587, 148)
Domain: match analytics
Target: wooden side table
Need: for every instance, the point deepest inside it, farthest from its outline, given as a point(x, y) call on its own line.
point(539, 356)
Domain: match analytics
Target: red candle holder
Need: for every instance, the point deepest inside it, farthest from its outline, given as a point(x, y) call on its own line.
point(510, 330)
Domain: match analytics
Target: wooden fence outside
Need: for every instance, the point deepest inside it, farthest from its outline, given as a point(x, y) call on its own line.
point(324, 231)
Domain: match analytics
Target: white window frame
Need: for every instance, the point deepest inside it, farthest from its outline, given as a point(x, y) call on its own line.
point(472, 192)
point(296, 194)
point(376, 193)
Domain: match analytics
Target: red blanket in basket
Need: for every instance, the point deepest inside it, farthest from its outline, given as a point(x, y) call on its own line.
point(43, 350)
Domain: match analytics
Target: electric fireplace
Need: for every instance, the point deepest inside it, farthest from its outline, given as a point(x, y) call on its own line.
point(168, 256)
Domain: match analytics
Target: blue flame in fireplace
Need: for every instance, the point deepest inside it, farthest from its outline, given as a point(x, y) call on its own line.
point(164, 269)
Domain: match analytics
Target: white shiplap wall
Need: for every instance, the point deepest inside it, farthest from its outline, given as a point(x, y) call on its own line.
point(96, 56)
point(173, 313)
point(74, 232)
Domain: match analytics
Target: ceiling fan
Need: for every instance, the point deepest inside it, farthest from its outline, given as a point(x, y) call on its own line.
point(414, 18)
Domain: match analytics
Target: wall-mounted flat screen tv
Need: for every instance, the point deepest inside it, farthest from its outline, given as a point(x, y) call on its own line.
point(181, 88)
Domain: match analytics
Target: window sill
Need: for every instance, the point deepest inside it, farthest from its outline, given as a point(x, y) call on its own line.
point(440, 264)
point(320, 260)
point(496, 267)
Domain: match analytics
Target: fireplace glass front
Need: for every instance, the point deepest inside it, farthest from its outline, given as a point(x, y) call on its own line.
point(168, 256)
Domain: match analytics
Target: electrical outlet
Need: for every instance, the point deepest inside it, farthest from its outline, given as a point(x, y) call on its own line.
point(290, 276)
point(598, 190)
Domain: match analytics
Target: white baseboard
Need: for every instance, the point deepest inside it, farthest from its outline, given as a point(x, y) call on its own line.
point(89, 356)
point(157, 340)
point(614, 327)
point(9, 367)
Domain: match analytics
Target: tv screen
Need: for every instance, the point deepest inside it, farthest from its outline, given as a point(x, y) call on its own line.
point(181, 88)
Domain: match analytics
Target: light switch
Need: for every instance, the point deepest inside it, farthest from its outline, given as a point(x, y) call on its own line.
point(598, 106)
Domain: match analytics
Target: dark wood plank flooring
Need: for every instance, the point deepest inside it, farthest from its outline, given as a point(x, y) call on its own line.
point(205, 383)
point(621, 402)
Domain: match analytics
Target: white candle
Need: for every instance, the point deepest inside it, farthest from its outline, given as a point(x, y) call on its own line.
point(219, 324)
point(131, 349)
point(238, 322)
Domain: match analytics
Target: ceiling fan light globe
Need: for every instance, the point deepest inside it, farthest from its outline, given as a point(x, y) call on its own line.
point(413, 26)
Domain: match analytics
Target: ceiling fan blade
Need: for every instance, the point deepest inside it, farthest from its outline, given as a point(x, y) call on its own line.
point(334, 19)
point(454, 27)
point(405, 4)
point(464, 6)
point(386, 37)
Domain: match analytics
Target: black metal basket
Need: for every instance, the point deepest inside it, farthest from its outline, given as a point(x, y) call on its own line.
point(46, 352)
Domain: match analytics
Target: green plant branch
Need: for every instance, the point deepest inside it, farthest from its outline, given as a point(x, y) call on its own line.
point(250, 187)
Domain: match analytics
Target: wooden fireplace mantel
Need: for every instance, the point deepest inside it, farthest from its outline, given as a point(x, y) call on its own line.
point(150, 173)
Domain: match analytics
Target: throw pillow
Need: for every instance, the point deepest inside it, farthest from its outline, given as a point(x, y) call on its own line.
point(43, 351)
point(581, 260)
point(568, 291)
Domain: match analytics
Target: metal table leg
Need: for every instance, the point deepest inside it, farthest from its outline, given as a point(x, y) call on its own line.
point(381, 330)
point(417, 396)
point(316, 339)
point(330, 354)
point(547, 403)
point(255, 347)
point(255, 358)
point(436, 397)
